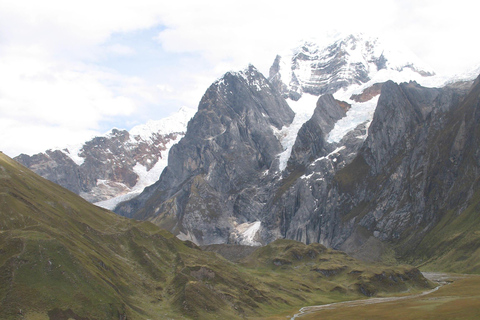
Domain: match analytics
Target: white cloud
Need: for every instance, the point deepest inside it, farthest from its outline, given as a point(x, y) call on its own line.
point(165, 88)
point(42, 94)
point(120, 50)
point(254, 31)
point(75, 23)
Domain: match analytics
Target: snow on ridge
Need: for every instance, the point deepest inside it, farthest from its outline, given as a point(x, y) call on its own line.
point(361, 112)
point(362, 48)
point(176, 122)
point(110, 204)
point(357, 114)
point(466, 75)
point(73, 151)
point(303, 109)
point(334, 152)
point(359, 49)
point(248, 74)
point(145, 179)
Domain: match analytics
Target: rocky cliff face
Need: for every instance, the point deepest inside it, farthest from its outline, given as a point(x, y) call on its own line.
point(225, 180)
point(118, 164)
point(217, 176)
point(310, 143)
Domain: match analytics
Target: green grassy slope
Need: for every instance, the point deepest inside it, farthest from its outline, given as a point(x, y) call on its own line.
point(454, 244)
point(64, 258)
point(317, 269)
point(58, 252)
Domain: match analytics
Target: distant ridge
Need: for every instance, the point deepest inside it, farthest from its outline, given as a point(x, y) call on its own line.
point(116, 166)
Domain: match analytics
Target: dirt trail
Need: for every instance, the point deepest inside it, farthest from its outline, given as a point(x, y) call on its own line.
point(440, 278)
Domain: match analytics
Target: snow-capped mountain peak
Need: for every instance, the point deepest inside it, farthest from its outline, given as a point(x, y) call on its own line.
point(354, 59)
point(346, 67)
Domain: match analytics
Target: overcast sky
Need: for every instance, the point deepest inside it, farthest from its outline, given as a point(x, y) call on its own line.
point(73, 69)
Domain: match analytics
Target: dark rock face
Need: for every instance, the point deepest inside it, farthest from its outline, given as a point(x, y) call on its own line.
point(55, 166)
point(212, 182)
point(412, 180)
point(409, 171)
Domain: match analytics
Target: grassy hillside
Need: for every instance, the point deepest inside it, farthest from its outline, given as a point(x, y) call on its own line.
point(64, 258)
point(454, 244)
point(317, 269)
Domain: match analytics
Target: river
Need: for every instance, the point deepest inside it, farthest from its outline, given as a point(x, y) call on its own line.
point(440, 278)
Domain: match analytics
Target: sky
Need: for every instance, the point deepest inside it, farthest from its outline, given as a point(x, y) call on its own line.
point(70, 70)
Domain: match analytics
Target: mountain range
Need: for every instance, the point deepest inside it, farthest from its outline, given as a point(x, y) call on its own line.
point(116, 166)
point(355, 146)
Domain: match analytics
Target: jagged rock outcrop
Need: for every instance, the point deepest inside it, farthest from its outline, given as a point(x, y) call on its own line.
point(212, 183)
point(55, 166)
point(310, 143)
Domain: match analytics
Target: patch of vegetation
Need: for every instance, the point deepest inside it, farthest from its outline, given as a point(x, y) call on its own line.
point(288, 182)
point(358, 211)
point(353, 174)
point(454, 244)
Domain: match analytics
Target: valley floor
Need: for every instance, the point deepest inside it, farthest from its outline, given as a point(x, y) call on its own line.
point(457, 297)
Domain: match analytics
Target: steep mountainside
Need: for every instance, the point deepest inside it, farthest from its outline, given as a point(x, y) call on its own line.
point(114, 167)
point(64, 258)
point(386, 192)
point(412, 187)
point(212, 185)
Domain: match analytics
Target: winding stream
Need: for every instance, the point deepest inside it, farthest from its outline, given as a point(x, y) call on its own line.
point(440, 278)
